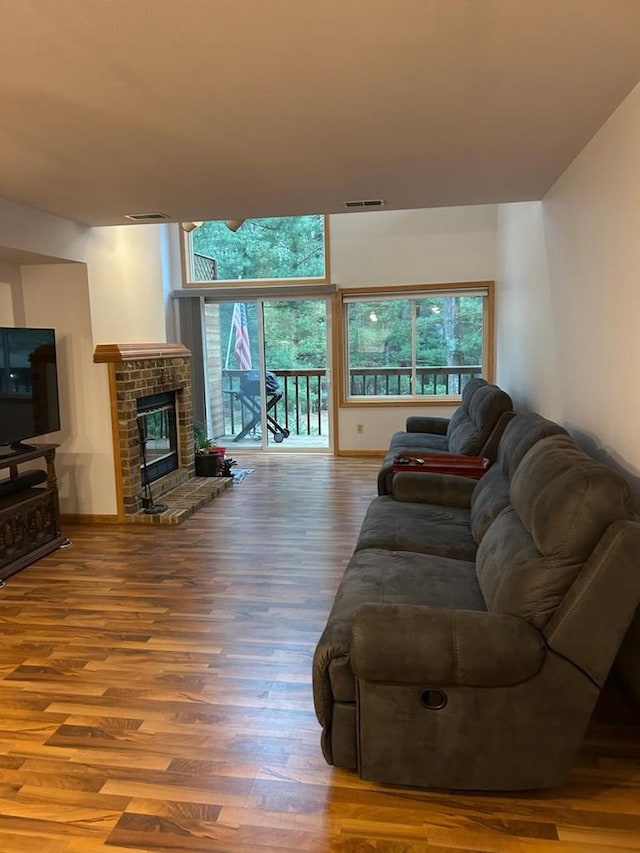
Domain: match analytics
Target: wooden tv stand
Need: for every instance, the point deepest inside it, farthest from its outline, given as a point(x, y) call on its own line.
point(30, 516)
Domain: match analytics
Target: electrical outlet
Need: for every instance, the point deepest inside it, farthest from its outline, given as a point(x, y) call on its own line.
point(360, 428)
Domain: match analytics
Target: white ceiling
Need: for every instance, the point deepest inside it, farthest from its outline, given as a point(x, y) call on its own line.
point(206, 109)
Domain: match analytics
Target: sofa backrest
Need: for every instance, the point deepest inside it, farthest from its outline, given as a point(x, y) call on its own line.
point(460, 419)
point(473, 421)
point(491, 495)
point(561, 504)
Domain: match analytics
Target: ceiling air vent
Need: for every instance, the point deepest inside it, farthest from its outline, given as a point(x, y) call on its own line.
point(146, 217)
point(366, 202)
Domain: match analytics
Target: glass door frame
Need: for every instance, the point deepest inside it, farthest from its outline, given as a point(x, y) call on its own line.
point(292, 294)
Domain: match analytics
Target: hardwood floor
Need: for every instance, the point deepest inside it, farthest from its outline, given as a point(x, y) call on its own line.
point(155, 694)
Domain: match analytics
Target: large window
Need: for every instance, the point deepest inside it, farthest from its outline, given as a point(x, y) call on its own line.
point(289, 248)
point(416, 343)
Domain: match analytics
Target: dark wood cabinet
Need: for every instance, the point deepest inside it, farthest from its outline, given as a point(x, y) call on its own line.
point(29, 510)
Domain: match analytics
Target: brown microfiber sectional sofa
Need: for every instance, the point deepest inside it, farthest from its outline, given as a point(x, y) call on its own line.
point(477, 621)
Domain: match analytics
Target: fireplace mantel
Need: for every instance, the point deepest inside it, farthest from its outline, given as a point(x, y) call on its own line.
point(112, 353)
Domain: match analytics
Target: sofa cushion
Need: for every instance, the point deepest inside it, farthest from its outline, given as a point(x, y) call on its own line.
point(491, 495)
point(472, 423)
point(481, 405)
point(476, 424)
point(379, 576)
point(412, 442)
point(418, 527)
point(460, 425)
point(562, 501)
point(566, 499)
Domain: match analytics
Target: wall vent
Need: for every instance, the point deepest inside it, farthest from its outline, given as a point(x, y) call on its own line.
point(146, 217)
point(366, 202)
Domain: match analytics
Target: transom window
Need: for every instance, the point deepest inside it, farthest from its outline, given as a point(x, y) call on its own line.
point(415, 343)
point(289, 248)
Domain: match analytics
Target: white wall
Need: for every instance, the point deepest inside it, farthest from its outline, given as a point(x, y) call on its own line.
point(589, 343)
point(116, 295)
point(11, 307)
point(27, 230)
point(57, 295)
point(526, 349)
point(125, 277)
point(445, 244)
point(406, 247)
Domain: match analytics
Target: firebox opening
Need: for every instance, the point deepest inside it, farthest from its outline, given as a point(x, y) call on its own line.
point(156, 416)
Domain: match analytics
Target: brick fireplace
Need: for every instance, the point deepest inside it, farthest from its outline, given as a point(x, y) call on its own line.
point(140, 371)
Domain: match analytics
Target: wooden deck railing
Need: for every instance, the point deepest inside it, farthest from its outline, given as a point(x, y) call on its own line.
point(300, 409)
point(304, 402)
point(205, 268)
point(396, 381)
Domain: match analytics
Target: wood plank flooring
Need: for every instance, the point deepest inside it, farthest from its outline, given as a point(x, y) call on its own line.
point(155, 695)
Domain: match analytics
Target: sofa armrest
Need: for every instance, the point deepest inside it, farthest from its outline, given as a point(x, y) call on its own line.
point(424, 423)
point(442, 489)
point(414, 644)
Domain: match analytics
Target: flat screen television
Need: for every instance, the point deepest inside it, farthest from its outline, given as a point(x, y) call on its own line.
point(29, 404)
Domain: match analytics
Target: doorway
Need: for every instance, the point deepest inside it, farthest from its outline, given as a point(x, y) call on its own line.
point(267, 373)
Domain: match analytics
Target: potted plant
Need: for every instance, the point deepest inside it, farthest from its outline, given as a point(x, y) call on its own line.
point(226, 464)
point(208, 457)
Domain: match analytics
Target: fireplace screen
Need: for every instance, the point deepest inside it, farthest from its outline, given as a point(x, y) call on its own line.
point(157, 429)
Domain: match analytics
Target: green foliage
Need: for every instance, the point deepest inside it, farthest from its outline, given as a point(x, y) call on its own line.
point(274, 248)
point(226, 464)
point(295, 333)
point(449, 331)
point(201, 440)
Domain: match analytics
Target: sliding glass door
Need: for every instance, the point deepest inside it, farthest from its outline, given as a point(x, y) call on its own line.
point(267, 373)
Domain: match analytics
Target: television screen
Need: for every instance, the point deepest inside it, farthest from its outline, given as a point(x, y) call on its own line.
point(28, 384)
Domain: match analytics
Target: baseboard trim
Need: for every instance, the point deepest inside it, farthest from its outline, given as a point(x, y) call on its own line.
point(76, 518)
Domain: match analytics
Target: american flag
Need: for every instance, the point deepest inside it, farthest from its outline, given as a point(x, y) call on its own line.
point(241, 348)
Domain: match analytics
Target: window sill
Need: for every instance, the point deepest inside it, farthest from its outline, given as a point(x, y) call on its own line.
point(360, 402)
